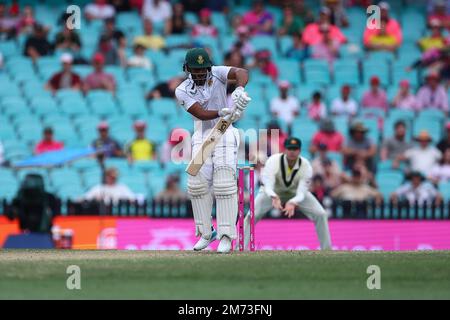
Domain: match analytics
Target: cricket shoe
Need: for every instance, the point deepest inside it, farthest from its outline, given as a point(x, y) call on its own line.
point(203, 243)
point(224, 245)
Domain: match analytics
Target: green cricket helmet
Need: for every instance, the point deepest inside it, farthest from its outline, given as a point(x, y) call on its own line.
point(198, 64)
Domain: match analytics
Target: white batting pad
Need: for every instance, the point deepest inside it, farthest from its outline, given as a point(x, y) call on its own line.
point(202, 203)
point(225, 190)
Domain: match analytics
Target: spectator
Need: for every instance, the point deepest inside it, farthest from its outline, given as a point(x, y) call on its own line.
point(391, 26)
point(111, 32)
point(375, 97)
point(356, 190)
point(384, 39)
point(405, 99)
point(312, 35)
point(234, 58)
point(422, 157)
point(172, 191)
point(177, 148)
point(150, 40)
point(177, 24)
point(285, 107)
point(99, 10)
point(441, 172)
point(265, 64)
point(328, 137)
point(290, 23)
point(204, 27)
point(110, 51)
point(110, 190)
point(328, 169)
point(338, 16)
point(37, 44)
point(298, 50)
point(47, 143)
point(66, 78)
point(432, 95)
point(444, 143)
point(99, 80)
point(258, 19)
point(164, 89)
point(138, 59)
point(104, 144)
point(8, 24)
point(68, 40)
point(318, 188)
point(359, 147)
point(243, 43)
point(440, 14)
point(140, 148)
point(327, 48)
point(417, 190)
point(396, 145)
point(436, 39)
point(317, 109)
point(274, 139)
point(344, 105)
point(27, 21)
point(157, 11)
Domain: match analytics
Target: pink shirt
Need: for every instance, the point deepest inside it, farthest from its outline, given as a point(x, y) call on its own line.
point(253, 20)
point(202, 30)
point(271, 70)
point(45, 146)
point(333, 141)
point(95, 80)
point(438, 99)
point(312, 35)
point(406, 103)
point(317, 111)
point(392, 28)
point(378, 100)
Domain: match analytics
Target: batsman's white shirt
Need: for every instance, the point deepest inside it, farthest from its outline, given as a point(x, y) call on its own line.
point(211, 96)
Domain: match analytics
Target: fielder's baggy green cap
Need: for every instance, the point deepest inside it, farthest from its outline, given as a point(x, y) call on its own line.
point(293, 143)
point(197, 58)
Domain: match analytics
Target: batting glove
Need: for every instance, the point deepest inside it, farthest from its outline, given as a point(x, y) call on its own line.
point(236, 116)
point(242, 102)
point(237, 93)
point(225, 112)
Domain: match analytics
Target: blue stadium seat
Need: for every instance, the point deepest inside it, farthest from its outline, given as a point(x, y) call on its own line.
point(164, 108)
point(388, 182)
point(289, 70)
point(433, 126)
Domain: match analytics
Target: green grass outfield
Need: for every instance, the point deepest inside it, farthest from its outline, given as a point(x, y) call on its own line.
point(32, 274)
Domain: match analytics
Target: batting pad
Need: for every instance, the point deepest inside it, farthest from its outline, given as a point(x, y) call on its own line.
point(225, 190)
point(202, 203)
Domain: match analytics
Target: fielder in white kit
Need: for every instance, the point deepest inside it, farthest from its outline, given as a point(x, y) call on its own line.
point(285, 180)
point(204, 96)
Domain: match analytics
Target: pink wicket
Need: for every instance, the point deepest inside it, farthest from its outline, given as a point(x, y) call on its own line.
point(241, 213)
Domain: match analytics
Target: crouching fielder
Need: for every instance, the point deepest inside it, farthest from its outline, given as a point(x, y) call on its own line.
point(286, 178)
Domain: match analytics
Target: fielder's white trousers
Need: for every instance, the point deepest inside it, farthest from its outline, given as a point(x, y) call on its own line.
point(310, 206)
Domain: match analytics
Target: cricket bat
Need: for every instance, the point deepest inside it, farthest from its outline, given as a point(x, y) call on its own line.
point(208, 145)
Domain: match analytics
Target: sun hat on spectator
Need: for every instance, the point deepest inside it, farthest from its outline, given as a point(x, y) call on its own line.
point(358, 127)
point(66, 58)
point(103, 125)
point(384, 5)
point(374, 81)
point(284, 84)
point(205, 12)
point(404, 84)
point(327, 125)
point(140, 124)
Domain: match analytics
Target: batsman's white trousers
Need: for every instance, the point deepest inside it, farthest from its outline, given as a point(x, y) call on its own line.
point(310, 207)
point(224, 155)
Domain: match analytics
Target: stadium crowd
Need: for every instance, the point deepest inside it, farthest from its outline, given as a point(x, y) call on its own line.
point(371, 105)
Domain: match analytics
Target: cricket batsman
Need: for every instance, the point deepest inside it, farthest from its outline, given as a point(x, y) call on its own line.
point(203, 95)
point(286, 178)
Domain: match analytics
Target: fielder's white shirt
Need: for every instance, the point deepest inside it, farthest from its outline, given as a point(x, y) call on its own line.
point(285, 108)
point(211, 96)
point(275, 184)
